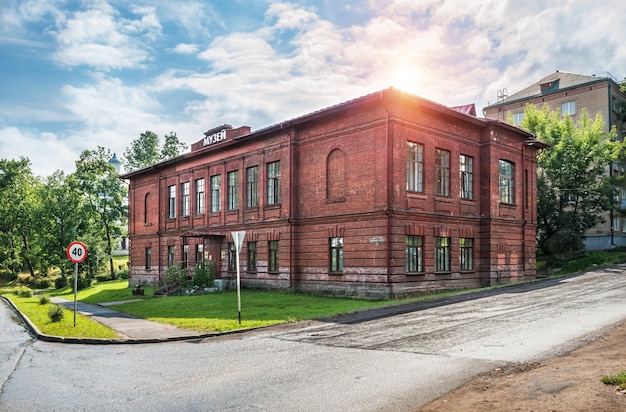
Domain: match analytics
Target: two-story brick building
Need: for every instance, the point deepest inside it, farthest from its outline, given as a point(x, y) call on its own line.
point(386, 195)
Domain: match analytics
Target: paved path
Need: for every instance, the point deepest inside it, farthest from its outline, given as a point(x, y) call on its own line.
point(132, 328)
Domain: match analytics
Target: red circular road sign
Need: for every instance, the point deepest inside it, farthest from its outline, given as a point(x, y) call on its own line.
point(77, 252)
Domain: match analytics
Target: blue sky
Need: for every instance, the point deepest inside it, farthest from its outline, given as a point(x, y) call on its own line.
point(78, 74)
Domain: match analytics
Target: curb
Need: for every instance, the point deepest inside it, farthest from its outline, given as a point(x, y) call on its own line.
point(37, 334)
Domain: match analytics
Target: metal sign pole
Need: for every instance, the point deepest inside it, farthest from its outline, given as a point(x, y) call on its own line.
point(75, 289)
point(238, 239)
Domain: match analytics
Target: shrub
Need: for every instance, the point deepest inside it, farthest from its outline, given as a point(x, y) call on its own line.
point(44, 299)
point(56, 313)
point(103, 278)
point(173, 275)
point(123, 273)
point(204, 275)
point(24, 292)
point(83, 283)
point(40, 282)
point(60, 282)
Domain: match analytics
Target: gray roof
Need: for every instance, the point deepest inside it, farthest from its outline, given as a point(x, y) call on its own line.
point(566, 80)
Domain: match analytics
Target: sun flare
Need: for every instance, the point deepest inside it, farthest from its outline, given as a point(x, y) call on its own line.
point(405, 78)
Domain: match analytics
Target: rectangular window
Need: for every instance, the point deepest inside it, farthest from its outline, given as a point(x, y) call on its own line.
point(232, 257)
point(414, 256)
point(336, 254)
point(273, 256)
point(251, 256)
point(518, 118)
point(199, 253)
point(414, 167)
point(216, 182)
point(466, 166)
point(199, 196)
point(507, 182)
point(184, 210)
point(442, 172)
point(467, 253)
point(252, 186)
point(171, 258)
point(171, 203)
point(442, 254)
point(568, 108)
point(185, 255)
point(273, 183)
point(148, 258)
point(233, 190)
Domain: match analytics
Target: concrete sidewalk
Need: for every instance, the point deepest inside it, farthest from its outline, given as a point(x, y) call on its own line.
point(132, 329)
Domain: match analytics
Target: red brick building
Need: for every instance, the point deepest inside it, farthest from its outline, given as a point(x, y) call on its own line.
point(383, 196)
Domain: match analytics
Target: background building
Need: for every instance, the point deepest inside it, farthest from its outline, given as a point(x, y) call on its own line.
point(386, 195)
point(570, 93)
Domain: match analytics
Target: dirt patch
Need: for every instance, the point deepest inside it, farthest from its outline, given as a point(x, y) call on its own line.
point(571, 382)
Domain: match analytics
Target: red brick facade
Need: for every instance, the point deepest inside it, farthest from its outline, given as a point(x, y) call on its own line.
point(343, 215)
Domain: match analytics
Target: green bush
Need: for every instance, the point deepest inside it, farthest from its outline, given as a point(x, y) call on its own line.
point(83, 283)
point(24, 292)
point(103, 278)
point(123, 273)
point(44, 299)
point(40, 282)
point(56, 313)
point(204, 275)
point(60, 282)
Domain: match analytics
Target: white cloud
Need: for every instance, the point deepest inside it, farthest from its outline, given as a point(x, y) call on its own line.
point(98, 37)
point(45, 151)
point(185, 48)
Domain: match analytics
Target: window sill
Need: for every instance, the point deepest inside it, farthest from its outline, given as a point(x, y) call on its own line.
point(335, 273)
point(336, 200)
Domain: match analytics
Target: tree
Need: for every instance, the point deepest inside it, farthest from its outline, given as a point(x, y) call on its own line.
point(104, 194)
point(142, 152)
point(20, 201)
point(146, 150)
point(172, 147)
point(574, 188)
point(63, 219)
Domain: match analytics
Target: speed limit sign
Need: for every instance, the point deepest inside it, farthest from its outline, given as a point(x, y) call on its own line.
point(77, 252)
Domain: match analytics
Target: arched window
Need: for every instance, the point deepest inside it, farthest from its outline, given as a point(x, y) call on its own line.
point(335, 174)
point(145, 208)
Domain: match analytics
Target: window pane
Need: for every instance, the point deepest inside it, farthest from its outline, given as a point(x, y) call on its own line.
point(216, 182)
point(171, 204)
point(442, 254)
point(184, 199)
point(273, 183)
point(252, 186)
point(466, 165)
point(199, 196)
point(414, 254)
point(233, 190)
point(442, 172)
point(414, 167)
point(507, 182)
point(336, 254)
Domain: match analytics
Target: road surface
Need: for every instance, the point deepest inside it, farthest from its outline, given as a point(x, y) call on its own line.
point(378, 362)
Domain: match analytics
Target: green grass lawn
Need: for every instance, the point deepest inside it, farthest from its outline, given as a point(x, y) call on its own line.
point(218, 312)
point(111, 291)
point(38, 315)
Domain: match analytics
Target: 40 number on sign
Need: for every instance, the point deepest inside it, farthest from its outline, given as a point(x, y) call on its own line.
point(77, 252)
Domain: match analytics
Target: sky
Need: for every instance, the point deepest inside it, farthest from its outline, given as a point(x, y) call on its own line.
point(75, 75)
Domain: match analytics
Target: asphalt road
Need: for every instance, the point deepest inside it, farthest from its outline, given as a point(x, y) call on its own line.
point(375, 361)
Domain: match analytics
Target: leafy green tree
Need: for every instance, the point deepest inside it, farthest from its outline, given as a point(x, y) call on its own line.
point(146, 150)
point(172, 147)
point(104, 196)
point(20, 201)
point(574, 188)
point(142, 152)
point(63, 217)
